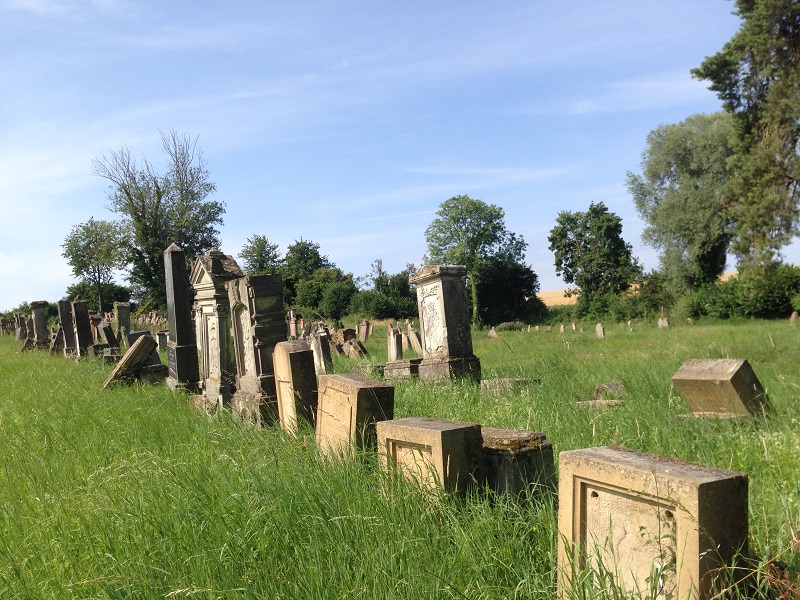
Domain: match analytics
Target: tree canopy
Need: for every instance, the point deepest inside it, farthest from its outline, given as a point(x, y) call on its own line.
point(302, 259)
point(159, 209)
point(93, 250)
point(756, 75)
point(680, 196)
point(472, 233)
point(260, 256)
point(590, 252)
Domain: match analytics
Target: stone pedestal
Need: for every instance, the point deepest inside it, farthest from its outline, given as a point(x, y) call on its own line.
point(256, 305)
point(402, 369)
point(444, 320)
point(649, 520)
point(515, 461)
point(720, 387)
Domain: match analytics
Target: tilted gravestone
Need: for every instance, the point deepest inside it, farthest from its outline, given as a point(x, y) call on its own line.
point(184, 371)
point(82, 327)
point(348, 408)
point(321, 347)
point(213, 325)
point(295, 383)
point(106, 335)
point(444, 321)
point(256, 305)
point(720, 387)
point(650, 521)
point(65, 317)
point(432, 452)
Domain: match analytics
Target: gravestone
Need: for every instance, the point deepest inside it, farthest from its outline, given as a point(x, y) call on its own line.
point(68, 329)
point(394, 345)
point(416, 340)
point(256, 304)
point(599, 331)
point(39, 315)
point(82, 327)
point(213, 325)
point(296, 383)
point(444, 321)
point(363, 331)
point(21, 331)
point(515, 461)
point(321, 348)
point(162, 338)
point(493, 334)
point(561, 328)
point(184, 371)
point(663, 323)
point(122, 316)
point(348, 334)
point(653, 522)
point(720, 387)
point(402, 369)
point(793, 317)
point(137, 363)
point(434, 453)
point(348, 408)
point(292, 320)
point(106, 335)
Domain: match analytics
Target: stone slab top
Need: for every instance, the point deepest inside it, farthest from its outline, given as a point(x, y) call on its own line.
point(430, 271)
point(353, 380)
point(295, 345)
point(648, 465)
point(427, 423)
point(709, 368)
point(39, 304)
point(514, 440)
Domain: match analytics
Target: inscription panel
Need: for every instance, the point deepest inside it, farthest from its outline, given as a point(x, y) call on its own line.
point(415, 461)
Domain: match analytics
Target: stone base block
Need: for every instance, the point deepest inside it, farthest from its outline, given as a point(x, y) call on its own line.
point(437, 454)
point(402, 369)
point(183, 363)
point(720, 387)
point(253, 408)
point(449, 368)
point(153, 374)
point(348, 408)
point(515, 460)
point(368, 371)
point(648, 520)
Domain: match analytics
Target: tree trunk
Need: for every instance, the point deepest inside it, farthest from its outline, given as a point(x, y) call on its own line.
point(473, 284)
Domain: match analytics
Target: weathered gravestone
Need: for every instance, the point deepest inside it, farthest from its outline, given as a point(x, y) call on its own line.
point(21, 332)
point(415, 339)
point(106, 335)
point(82, 327)
point(256, 304)
point(41, 336)
point(793, 317)
point(402, 369)
point(720, 387)
point(213, 324)
point(296, 383)
point(394, 345)
point(652, 522)
point(136, 362)
point(436, 454)
point(122, 315)
point(363, 331)
point(444, 320)
point(348, 408)
point(65, 318)
point(515, 461)
point(321, 347)
point(663, 323)
point(184, 372)
point(599, 331)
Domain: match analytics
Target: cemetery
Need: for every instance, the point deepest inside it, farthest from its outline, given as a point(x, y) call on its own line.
point(236, 449)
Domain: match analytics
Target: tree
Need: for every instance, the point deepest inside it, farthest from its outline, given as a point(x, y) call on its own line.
point(302, 259)
point(680, 196)
point(87, 292)
point(756, 75)
point(391, 296)
point(260, 256)
point(590, 252)
point(507, 291)
point(93, 251)
point(159, 209)
point(471, 233)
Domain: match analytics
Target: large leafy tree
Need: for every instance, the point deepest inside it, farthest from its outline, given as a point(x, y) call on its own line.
point(302, 259)
point(260, 256)
point(161, 208)
point(757, 76)
point(590, 252)
point(93, 250)
point(472, 233)
point(680, 196)
point(391, 296)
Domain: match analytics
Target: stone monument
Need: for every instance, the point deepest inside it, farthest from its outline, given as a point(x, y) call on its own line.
point(181, 346)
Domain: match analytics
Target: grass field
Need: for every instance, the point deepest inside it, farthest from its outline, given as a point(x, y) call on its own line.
point(130, 493)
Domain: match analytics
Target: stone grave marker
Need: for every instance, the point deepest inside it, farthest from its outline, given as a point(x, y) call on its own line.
point(663, 323)
point(133, 362)
point(82, 327)
point(321, 347)
point(644, 517)
point(182, 359)
point(444, 322)
point(436, 454)
point(561, 328)
point(793, 318)
point(363, 331)
point(39, 314)
point(406, 368)
point(493, 334)
point(295, 382)
point(65, 318)
point(720, 387)
point(106, 335)
point(394, 345)
point(348, 408)
point(599, 331)
point(122, 317)
point(516, 460)
point(416, 341)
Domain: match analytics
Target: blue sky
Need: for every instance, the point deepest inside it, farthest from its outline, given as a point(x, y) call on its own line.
point(345, 123)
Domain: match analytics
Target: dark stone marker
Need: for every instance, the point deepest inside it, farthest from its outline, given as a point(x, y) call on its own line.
point(65, 316)
point(184, 371)
point(83, 328)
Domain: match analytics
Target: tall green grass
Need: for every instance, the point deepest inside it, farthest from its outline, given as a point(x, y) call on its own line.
point(130, 493)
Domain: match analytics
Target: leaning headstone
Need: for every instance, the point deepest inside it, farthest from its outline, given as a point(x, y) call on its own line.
point(651, 521)
point(133, 362)
point(720, 387)
point(106, 335)
point(295, 383)
point(162, 339)
point(213, 324)
point(256, 304)
point(515, 461)
point(394, 345)
point(348, 408)
point(793, 318)
point(599, 331)
point(321, 347)
point(663, 323)
point(82, 327)
point(416, 340)
point(65, 318)
point(444, 321)
point(348, 334)
point(40, 333)
point(181, 346)
point(435, 454)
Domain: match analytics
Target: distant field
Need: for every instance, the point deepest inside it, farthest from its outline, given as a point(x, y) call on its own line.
point(130, 493)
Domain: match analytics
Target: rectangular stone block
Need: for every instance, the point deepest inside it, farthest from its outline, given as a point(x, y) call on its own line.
point(402, 369)
point(436, 454)
point(516, 460)
point(349, 407)
point(295, 383)
point(721, 387)
point(661, 527)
